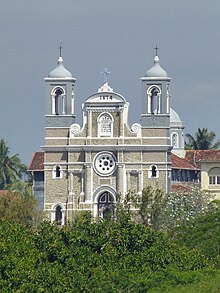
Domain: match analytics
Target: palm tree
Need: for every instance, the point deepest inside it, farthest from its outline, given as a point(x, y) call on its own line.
point(23, 188)
point(203, 140)
point(11, 168)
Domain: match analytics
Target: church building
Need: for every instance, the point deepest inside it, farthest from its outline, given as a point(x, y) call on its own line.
point(87, 167)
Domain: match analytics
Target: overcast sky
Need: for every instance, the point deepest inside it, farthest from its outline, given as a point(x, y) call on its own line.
point(117, 34)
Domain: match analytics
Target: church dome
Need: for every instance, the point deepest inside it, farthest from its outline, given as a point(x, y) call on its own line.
point(60, 71)
point(175, 119)
point(156, 70)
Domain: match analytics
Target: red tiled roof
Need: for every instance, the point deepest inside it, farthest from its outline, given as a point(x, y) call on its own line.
point(181, 163)
point(194, 157)
point(175, 187)
point(37, 162)
point(3, 192)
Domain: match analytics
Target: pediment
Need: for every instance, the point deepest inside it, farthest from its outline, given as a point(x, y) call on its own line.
point(105, 98)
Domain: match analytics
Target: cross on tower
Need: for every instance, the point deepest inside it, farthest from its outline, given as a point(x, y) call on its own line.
point(156, 49)
point(60, 49)
point(106, 73)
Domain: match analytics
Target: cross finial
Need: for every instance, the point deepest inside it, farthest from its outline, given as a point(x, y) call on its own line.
point(60, 49)
point(156, 49)
point(106, 73)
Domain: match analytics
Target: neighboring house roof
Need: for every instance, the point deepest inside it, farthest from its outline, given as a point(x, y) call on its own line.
point(181, 163)
point(3, 192)
point(179, 187)
point(37, 162)
point(195, 157)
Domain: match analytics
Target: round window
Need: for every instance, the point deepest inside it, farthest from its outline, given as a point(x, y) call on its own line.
point(104, 163)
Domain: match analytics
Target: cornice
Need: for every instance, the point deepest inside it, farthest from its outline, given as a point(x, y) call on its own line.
point(99, 148)
point(156, 78)
point(55, 79)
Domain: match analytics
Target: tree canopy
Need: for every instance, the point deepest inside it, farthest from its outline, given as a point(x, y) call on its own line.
point(203, 140)
point(11, 167)
point(156, 243)
point(104, 256)
point(163, 211)
point(16, 207)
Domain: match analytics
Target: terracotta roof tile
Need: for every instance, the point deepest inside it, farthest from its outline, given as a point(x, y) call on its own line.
point(194, 157)
point(181, 163)
point(175, 187)
point(37, 162)
point(3, 192)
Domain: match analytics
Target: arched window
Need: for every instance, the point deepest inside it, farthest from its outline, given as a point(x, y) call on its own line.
point(58, 101)
point(57, 172)
point(58, 215)
point(106, 206)
point(214, 176)
point(174, 140)
point(154, 94)
point(153, 172)
point(105, 125)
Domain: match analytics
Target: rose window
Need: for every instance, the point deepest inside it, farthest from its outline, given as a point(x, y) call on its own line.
point(105, 163)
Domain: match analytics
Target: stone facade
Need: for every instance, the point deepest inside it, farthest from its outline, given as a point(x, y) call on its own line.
point(87, 167)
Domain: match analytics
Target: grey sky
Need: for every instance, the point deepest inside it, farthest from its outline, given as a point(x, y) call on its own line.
point(117, 34)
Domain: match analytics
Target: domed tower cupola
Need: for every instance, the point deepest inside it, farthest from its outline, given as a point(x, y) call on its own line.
point(176, 132)
point(60, 71)
point(155, 96)
point(156, 70)
point(60, 98)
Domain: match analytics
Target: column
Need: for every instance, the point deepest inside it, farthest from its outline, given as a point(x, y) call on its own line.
point(89, 133)
point(139, 189)
point(63, 105)
point(121, 123)
point(88, 181)
point(120, 181)
point(128, 181)
point(70, 183)
point(82, 182)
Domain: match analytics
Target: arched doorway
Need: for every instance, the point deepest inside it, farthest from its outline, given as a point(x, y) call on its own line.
point(106, 206)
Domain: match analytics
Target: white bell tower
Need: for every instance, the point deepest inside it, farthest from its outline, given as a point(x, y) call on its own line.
point(60, 99)
point(155, 96)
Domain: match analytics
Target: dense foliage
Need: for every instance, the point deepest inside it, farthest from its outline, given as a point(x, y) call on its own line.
point(96, 257)
point(203, 140)
point(129, 254)
point(18, 208)
point(163, 211)
point(202, 233)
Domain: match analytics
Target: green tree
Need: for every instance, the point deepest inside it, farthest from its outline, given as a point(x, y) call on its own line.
point(146, 208)
point(203, 233)
point(18, 204)
point(11, 168)
point(203, 140)
point(184, 207)
point(23, 188)
point(163, 211)
point(150, 206)
point(98, 257)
